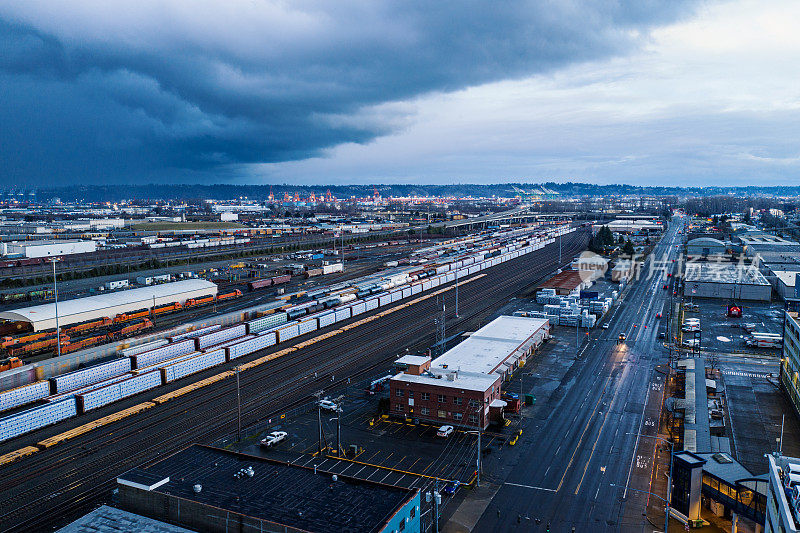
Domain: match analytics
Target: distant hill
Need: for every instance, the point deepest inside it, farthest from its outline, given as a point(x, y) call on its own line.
point(261, 192)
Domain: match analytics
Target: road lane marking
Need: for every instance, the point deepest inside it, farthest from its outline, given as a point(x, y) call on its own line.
point(530, 487)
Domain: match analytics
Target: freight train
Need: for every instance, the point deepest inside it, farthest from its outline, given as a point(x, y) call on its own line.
point(30, 343)
point(70, 344)
point(78, 392)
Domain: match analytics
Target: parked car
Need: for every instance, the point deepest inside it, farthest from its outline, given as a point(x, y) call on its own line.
point(605, 325)
point(274, 438)
point(328, 405)
point(445, 431)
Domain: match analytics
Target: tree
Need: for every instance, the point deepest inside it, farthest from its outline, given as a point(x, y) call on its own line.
point(621, 239)
point(715, 220)
point(746, 217)
point(628, 249)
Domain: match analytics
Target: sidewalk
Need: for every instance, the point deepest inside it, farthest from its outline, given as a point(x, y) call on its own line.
point(466, 517)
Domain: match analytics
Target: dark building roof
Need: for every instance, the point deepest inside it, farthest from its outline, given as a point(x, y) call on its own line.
point(279, 492)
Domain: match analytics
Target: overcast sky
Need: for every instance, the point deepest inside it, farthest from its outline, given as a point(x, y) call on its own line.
point(364, 91)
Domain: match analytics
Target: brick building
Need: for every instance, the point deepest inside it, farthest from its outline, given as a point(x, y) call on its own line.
point(452, 388)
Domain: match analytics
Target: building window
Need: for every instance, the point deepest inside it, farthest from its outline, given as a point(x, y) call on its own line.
point(402, 525)
point(473, 403)
point(442, 398)
point(473, 419)
point(399, 393)
point(398, 407)
point(413, 512)
point(457, 416)
point(458, 400)
point(442, 414)
point(411, 394)
point(426, 395)
point(424, 411)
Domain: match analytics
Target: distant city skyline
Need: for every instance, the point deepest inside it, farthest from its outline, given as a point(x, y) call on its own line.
point(673, 93)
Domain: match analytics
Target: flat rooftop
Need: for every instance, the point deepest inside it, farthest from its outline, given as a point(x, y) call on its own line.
point(471, 381)
point(30, 244)
point(724, 273)
point(415, 360)
point(285, 494)
point(486, 350)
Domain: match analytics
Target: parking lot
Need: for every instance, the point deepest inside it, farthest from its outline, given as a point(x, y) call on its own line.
point(724, 334)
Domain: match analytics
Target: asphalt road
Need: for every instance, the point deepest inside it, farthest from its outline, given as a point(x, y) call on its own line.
point(56, 484)
point(583, 439)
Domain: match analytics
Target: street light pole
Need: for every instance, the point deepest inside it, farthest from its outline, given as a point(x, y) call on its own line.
point(55, 295)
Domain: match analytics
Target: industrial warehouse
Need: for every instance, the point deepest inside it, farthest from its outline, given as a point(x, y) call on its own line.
point(468, 375)
point(43, 317)
point(726, 280)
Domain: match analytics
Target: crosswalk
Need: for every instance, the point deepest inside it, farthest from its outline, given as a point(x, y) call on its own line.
point(745, 374)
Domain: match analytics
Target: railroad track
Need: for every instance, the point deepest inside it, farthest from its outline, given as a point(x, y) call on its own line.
point(70, 477)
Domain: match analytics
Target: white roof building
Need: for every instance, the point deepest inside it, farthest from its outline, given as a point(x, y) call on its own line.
point(497, 346)
point(43, 317)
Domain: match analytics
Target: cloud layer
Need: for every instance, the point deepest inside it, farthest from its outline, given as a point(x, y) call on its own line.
point(99, 92)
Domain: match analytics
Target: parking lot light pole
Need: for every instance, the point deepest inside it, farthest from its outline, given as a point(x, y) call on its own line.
point(669, 474)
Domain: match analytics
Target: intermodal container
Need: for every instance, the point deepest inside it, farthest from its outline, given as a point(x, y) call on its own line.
point(37, 417)
point(191, 366)
point(326, 319)
point(87, 376)
point(117, 391)
point(228, 343)
point(357, 308)
point(306, 326)
point(141, 348)
point(222, 335)
point(251, 345)
point(266, 322)
point(287, 332)
point(195, 333)
point(384, 299)
point(342, 314)
point(23, 395)
point(160, 355)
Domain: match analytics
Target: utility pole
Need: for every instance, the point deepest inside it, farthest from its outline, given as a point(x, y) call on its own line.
point(480, 432)
point(55, 295)
point(559, 251)
point(318, 395)
point(238, 409)
point(436, 499)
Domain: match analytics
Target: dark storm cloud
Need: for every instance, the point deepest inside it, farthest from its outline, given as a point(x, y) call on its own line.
point(100, 92)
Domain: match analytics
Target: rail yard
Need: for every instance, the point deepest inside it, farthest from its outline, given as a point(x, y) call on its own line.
point(84, 453)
